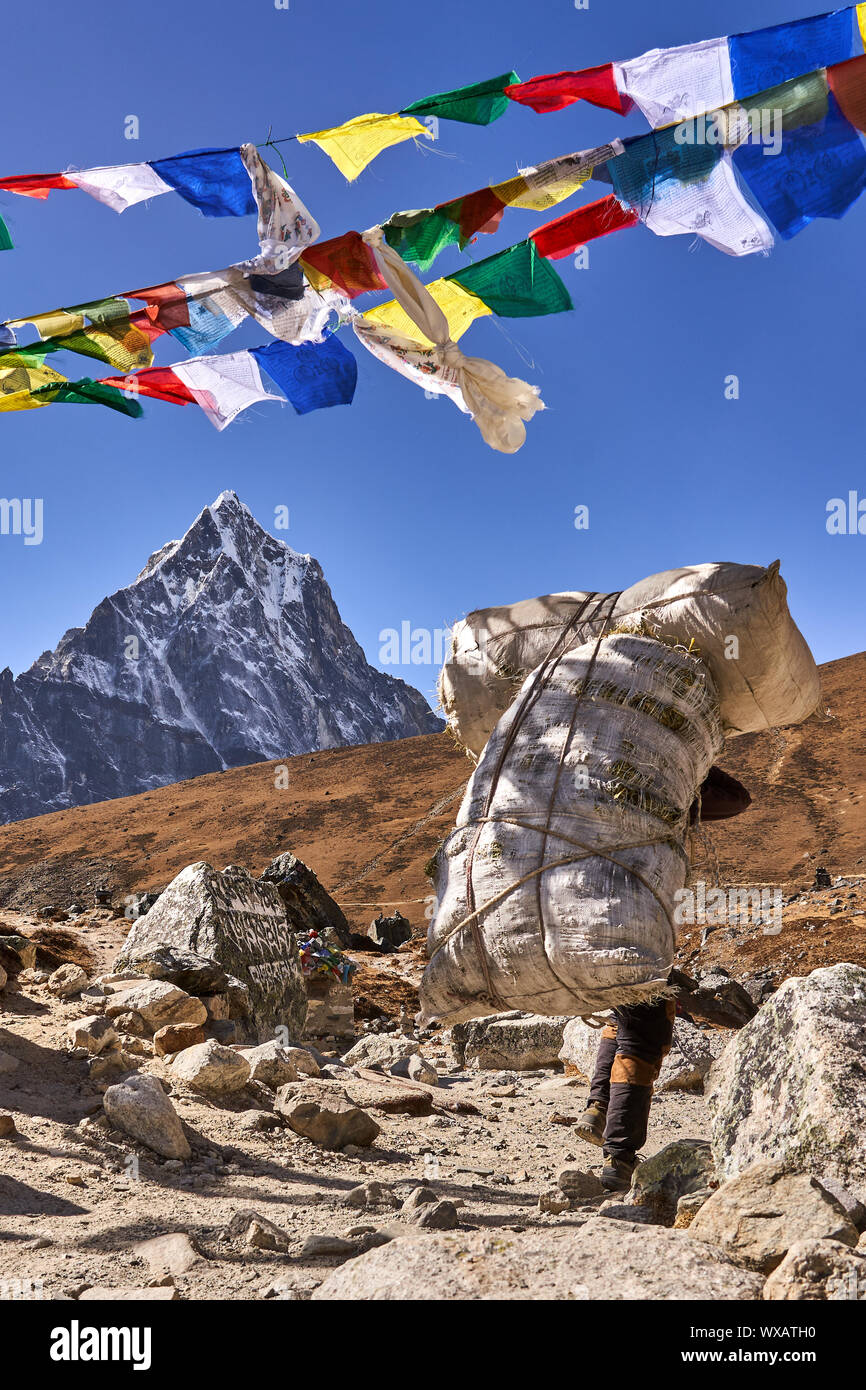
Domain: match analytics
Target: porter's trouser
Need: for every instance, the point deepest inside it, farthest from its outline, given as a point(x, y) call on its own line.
point(629, 1059)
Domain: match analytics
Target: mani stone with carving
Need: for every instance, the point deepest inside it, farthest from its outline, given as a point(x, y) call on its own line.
point(240, 922)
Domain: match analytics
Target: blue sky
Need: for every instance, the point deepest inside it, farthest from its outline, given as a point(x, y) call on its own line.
point(412, 517)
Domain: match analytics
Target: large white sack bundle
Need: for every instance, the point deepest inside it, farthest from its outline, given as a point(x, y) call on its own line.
point(765, 678)
point(556, 890)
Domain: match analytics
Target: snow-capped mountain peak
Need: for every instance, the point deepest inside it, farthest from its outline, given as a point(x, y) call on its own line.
point(226, 649)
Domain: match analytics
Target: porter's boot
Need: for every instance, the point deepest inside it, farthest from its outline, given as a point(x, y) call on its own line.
point(617, 1174)
point(590, 1126)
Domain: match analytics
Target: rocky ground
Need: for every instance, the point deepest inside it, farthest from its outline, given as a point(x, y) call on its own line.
point(74, 1208)
point(474, 1178)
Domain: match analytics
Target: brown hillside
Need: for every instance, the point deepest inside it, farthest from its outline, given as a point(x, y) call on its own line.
point(368, 818)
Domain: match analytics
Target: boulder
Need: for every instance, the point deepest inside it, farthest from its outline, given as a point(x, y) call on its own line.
point(174, 1037)
point(212, 1069)
point(390, 931)
point(816, 1270)
point(322, 1111)
point(240, 923)
point(158, 1003)
point(759, 1215)
point(791, 1086)
point(379, 1051)
point(140, 1107)
point(597, 1260)
point(676, 1171)
point(683, 1069)
point(308, 906)
point(190, 972)
point(66, 981)
point(513, 1041)
point(716, 998)
point(92, 1033)
point(272, 1064)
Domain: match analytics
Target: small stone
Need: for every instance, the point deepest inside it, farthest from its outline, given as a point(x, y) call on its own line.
point(553, 1202)
point(419, 1197)
point(257, 1121)
point(66, 981)
point(168, 1254)
point(419, 1069)
point(175, 1037)
point(8, 1063)
point(688, 1207)
point(159, 1294)
point(190, 972)
point(323, 1112)
point(380, 1051)
point(271, 1064)
point(130, 1023)
point(217, 1006)
point(159, 1004)
point(140, 1107)
point(318, 1246)
point(436, 1216)
point(264, 1235)
point(92, 1033)
point(212, 1069)
point(578, 1184)
point(7, 1126)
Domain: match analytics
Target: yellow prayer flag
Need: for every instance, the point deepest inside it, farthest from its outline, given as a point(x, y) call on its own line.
point(22, 400)
point(55, 324)
point(458, 305)
point(352, 146)
point(861, 20)
point(20, 375)
point(520, 193)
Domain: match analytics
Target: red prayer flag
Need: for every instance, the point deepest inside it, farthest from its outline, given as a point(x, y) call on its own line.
point(477, 212)
point(158, 382)
point(848, 84)
point(559, 89)
point(565, 234)
point(166, 305)
point(348, 261)
point(35, 185)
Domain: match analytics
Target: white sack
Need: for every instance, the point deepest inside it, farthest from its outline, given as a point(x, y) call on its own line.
point(569, 843)
point(771, 681)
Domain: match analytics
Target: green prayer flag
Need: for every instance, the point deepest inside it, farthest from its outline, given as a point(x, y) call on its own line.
point(516, 283)
point(479, 104)
point(420, 236)
point(87, 392)
point(5, 238)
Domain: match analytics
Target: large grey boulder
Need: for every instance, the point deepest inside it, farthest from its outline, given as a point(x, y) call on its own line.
point(791, 1086)
point(599, 1260)
point(241, 924)
point(691, 1056)
point(508, 1042)
point(140, 1107)
point(759, 1215)
point(307, 904)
